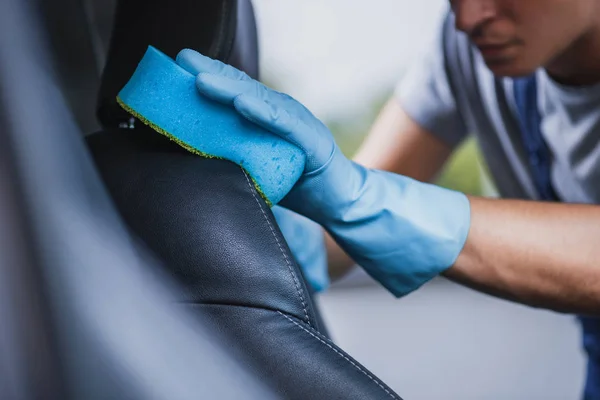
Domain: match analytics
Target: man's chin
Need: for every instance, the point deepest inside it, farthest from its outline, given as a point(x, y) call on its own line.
point(510, 68)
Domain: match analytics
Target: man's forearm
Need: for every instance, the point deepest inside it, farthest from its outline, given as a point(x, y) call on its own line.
point(540, 254)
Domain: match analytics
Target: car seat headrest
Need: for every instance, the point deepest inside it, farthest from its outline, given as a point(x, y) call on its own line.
point(221, 29)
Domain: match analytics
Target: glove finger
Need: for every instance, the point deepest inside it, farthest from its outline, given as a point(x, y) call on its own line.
point(225, 90)
point(290, 127)
point(275, 119)
point(196, 63)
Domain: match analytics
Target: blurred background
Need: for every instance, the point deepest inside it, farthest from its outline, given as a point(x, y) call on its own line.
point(343, 59)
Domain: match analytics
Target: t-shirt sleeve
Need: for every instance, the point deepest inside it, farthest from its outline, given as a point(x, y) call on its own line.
point(426, 92)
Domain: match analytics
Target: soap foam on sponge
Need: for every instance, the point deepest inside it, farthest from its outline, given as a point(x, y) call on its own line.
point(164, 96)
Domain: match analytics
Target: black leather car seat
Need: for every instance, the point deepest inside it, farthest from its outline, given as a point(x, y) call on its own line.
point(84, 313)
point(206, 222)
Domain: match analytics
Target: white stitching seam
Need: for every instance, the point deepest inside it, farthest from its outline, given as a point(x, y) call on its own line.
point(289, 265)
point(340, 354)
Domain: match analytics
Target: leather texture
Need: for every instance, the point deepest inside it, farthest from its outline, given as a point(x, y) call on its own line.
point(208, 225)
point(245, 50)
point(205, 218)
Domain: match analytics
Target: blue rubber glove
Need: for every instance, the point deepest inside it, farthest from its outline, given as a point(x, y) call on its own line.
point(401, 231)
point(307, 242)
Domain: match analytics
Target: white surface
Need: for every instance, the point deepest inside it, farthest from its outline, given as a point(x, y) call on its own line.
point(446, 342)
point(337, 55)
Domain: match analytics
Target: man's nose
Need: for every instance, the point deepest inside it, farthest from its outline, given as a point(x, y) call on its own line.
point(471, 14)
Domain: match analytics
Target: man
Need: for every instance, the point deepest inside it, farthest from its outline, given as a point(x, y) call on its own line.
point(520, 75)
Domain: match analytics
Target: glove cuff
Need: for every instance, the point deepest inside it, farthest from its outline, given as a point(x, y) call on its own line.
point(404, 232)
point(401, 231)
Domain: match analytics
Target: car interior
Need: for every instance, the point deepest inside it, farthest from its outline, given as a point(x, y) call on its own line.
point(132, 268)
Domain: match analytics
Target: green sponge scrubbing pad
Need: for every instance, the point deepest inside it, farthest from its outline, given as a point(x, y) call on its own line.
point(164, 96)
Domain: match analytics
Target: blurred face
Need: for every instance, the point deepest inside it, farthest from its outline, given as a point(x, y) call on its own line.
point(515, 37)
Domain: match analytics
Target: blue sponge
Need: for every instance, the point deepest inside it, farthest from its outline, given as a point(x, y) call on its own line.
point(163, 95)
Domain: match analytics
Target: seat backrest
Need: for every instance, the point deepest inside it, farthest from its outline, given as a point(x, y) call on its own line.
point(83, 315)
point(213, 232)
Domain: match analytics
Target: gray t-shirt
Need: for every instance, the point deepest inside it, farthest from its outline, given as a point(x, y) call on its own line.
point(452, 93)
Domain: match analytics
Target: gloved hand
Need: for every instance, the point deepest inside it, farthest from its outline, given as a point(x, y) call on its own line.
point(401, 231)
point(307, 243)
